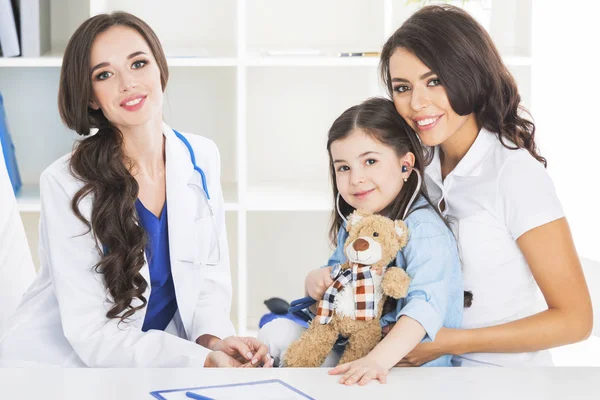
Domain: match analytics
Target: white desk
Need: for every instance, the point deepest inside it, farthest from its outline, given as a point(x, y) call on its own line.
point(409, 384)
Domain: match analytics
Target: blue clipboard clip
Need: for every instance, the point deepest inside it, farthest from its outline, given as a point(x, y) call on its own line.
point(196, 396)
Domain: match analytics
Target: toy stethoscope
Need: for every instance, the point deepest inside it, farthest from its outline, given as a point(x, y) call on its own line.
point(197, 168)
point(305, 302)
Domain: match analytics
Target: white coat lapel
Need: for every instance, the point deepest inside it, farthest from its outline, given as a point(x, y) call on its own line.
point(185, 205)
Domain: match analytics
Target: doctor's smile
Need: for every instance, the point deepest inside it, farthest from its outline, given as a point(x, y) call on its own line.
point(133, 103)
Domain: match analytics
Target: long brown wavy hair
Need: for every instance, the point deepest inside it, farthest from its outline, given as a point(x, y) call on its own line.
point(98, 162)
point(460, 51)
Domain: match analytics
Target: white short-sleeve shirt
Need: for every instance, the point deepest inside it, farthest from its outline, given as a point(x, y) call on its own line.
point(492, 197)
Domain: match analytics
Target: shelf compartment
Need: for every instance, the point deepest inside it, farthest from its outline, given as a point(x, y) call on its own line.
point(282, 248)
point(281, 198)
point(202, 101)
point(185, 28)
point(284, 25)
point(289, 112)
point(507, 21)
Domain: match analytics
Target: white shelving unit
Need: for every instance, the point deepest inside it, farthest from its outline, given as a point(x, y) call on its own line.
point(269, 115)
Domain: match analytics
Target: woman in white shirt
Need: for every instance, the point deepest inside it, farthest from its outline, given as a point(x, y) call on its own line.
point(448, 81)
point(134, 257)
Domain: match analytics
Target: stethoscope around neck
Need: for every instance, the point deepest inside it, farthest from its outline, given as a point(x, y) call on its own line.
point(196, 168)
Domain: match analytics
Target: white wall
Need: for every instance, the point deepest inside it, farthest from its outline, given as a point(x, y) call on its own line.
point(566, 106)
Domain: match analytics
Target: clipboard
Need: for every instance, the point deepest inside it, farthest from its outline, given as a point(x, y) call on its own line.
point(258, 386)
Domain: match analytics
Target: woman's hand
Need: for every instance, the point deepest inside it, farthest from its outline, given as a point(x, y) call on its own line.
point(424, 351)
point(362, 371)
point(247, 351)
point(317, 281)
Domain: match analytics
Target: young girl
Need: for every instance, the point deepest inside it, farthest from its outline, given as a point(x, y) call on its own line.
point(449, 83)
point(376, 162)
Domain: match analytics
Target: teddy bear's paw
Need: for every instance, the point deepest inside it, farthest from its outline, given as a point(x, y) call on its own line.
point(395, 283)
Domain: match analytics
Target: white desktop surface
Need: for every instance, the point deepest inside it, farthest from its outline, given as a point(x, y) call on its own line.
point(411, 384)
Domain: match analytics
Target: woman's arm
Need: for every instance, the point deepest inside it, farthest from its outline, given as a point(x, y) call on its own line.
point(551, 255)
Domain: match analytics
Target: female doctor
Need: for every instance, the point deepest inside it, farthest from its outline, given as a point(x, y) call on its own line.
point(134, 257)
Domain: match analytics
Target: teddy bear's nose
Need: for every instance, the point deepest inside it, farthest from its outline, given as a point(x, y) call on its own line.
point(360, 245)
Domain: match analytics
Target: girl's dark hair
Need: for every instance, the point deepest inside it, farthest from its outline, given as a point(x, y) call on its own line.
point(378, 118)
point(460, 51)
point(99, 162)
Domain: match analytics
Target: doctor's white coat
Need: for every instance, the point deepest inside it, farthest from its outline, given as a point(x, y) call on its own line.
point(62, 318)
point(16, 266)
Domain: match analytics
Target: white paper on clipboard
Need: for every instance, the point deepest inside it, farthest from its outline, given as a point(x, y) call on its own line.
point(273, 389)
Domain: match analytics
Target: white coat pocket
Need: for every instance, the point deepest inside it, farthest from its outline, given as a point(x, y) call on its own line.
point(206, 241)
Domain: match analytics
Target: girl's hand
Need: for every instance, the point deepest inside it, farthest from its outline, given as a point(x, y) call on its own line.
point(362, 371)
point(317, 281)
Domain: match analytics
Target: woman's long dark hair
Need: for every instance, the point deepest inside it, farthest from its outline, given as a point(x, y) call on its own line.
point(98, 162)
point(460, 51)
point(378, 118)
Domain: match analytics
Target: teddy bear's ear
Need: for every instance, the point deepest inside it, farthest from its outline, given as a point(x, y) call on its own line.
point(355, 218)
point(402, 232)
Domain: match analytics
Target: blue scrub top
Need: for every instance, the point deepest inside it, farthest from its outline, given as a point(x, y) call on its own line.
point(162, 303)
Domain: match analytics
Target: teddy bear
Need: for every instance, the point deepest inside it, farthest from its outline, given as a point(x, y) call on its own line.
point(352, 305)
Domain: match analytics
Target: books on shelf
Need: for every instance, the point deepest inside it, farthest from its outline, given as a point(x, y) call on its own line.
point(35, 27)
point(8, 149)
point(9, 38)
point(24, 27)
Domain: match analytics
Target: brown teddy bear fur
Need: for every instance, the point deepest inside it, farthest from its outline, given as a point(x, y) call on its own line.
point(317, 341)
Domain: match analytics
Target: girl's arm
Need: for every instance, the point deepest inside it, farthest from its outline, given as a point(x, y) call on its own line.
point(403, 337)
point(551, 255)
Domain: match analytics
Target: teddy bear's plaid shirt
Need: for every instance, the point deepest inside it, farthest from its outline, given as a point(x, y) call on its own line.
point(364, 293)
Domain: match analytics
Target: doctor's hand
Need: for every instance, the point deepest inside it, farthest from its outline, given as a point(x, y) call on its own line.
point(248, 351)
point(317, 281)
point(218, 359)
